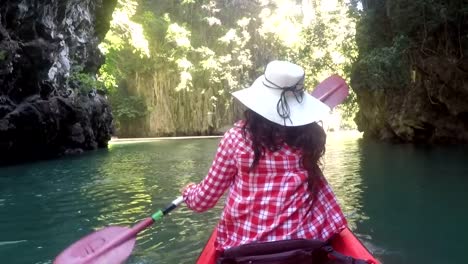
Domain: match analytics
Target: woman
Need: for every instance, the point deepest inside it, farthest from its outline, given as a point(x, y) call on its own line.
point(269, 162)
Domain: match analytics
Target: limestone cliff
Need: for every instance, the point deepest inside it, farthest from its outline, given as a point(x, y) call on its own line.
point(411, 76)
point(45, 109)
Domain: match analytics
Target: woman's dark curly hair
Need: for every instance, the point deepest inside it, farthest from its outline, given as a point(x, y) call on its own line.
point(310, 139)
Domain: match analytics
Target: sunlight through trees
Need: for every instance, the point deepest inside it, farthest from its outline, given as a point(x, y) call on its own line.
point(171, 65)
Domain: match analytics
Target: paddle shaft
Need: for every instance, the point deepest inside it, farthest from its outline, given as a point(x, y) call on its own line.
point(143, 224)
point(156, 216)
point(168, 208)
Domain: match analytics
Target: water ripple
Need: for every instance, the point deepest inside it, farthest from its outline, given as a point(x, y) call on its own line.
point(389, 194)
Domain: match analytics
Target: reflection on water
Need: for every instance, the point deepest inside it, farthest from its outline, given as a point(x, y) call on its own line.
point(393, 196)
point(416, 200)
point(342, 169)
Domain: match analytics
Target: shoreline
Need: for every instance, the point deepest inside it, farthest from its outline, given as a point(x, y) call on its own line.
point(115, 140)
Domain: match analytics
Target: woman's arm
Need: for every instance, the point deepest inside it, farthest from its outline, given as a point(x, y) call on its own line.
point(203, 196)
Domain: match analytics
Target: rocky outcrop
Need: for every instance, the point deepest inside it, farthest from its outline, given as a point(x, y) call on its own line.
point(44, 109)
point(411, 76)
point(433, 109)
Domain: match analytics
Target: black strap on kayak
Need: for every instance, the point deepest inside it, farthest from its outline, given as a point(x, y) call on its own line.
point(342, 258)
point(295, 251)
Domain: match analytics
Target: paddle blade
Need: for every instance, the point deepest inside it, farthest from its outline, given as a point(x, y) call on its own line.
point(94, 248)
point(332, 91)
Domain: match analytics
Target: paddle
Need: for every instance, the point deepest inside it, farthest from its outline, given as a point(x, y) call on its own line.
point(110, 245)
point(114, 244)
point(332, 91)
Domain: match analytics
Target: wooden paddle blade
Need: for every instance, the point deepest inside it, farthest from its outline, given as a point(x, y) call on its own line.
point(89, 250)
point(332, 91)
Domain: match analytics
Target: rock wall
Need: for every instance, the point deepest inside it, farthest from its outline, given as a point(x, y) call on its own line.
point(43, 112)
point(411, 76)
point(433, 109)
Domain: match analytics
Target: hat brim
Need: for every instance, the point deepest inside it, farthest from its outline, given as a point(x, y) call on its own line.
point(264, 100)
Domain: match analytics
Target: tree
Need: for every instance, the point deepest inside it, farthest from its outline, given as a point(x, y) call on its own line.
point(182, 59)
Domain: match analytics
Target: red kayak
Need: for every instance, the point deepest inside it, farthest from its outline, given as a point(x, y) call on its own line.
point(346, 243)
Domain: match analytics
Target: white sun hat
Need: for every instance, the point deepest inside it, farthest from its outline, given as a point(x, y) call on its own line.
point(279, 96)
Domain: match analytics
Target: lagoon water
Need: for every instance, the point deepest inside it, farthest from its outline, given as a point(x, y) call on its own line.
point(407, 204)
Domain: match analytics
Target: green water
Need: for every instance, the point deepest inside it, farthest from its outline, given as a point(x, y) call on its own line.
point(407, 204)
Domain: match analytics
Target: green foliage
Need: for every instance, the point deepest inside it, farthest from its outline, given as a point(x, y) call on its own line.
point(394, 37)
point(183, 58)
point(328, 47)
point(83, 81)
point(386, 67)
point(127, 108)
point(2, 55)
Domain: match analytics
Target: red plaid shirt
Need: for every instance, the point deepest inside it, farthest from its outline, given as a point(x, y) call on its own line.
point(268, 204)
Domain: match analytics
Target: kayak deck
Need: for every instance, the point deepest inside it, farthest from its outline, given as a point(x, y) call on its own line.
point(348, 244)
point(345, 242)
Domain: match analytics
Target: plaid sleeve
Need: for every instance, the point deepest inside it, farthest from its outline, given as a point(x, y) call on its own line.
point(203, 196)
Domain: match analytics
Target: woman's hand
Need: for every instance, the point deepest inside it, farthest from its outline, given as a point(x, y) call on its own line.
point(187, 186)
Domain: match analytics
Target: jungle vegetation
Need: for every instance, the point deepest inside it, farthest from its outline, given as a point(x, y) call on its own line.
point(171, 64)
